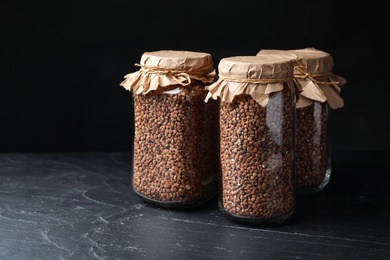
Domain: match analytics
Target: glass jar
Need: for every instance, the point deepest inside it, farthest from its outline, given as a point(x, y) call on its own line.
point(257, 120)
point(319, 91)
point(176, 145)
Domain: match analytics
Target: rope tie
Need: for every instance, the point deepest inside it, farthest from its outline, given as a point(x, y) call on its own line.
point(181, 77)
point(307, 75)
point(254, 81)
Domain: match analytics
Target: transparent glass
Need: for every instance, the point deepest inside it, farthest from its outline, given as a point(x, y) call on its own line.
point(257, 179)
point(313, 156)
point(176, 146)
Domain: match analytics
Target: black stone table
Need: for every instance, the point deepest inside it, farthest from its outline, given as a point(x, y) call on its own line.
point(81, 206)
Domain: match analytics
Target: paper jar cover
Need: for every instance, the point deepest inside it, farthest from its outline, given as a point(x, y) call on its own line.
point(258, 76)
point(313, 73)
point(169, 67)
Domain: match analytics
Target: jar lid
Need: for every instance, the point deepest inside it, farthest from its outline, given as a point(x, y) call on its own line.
point(169, 67)
point(313, 71)
point(257, 76)
point(256, 67)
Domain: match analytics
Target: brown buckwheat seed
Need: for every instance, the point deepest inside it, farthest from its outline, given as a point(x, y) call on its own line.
point(311, 145)
point(257, 157)
point(176, 145)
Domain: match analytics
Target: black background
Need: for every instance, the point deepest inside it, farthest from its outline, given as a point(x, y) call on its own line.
point(61, 62)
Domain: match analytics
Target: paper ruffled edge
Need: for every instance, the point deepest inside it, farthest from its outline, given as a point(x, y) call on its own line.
point(144, 82)
point(227, 90)
point(329, 93)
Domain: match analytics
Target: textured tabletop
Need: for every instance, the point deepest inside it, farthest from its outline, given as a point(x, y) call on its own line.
point(81, 206)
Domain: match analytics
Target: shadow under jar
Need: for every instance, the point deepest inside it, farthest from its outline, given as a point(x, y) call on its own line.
point(176, 141)
point(257, 120)
point(319, 91)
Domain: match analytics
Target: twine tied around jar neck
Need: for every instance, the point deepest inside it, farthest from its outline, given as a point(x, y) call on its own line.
point(227, 88)
point(305, 74)
point(180, 76)
point(254, 81)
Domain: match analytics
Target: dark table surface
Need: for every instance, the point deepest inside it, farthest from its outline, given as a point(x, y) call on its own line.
point(81, 206)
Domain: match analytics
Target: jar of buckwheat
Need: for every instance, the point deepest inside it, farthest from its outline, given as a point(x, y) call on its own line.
point(256, 138)
point(319, 91)
point(176, 144)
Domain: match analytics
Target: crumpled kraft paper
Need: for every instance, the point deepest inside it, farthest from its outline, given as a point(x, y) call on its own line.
point(313, 74)
point(169, 67)
point(258, 76)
